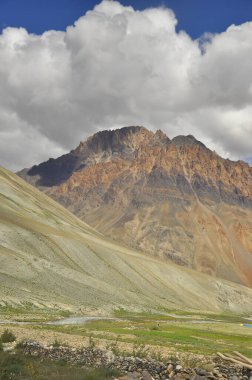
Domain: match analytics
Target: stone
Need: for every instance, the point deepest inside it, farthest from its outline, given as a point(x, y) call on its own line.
point(146, 376)
point(201, 372)
point(9, 346)
point(172, 375)
point(178, 367)
point(170, 368)
point(133, 376)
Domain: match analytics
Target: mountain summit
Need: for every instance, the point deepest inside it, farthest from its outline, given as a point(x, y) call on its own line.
point(172, 198)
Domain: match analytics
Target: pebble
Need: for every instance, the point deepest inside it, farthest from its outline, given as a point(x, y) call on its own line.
point(170, 368)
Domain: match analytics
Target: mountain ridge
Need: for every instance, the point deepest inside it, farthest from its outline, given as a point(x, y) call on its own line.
point(175, 199)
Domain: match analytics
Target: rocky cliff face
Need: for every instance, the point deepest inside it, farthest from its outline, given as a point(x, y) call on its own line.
point(171, 198)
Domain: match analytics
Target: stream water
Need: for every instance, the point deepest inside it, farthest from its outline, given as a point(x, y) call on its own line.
point(83, 320)
point(65, 321)
point(76, 320)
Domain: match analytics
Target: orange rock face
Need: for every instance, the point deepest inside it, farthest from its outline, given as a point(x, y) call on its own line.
point(175, 199)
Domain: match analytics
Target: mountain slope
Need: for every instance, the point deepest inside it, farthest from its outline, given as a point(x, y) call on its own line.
point(49, 257)
point(175, 199)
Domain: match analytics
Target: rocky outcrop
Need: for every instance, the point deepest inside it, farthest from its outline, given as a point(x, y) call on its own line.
point(175, 199)
point(136, 368)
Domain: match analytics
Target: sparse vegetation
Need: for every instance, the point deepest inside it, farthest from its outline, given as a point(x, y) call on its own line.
point(7, 337)
point(173, 359)
point(176, 339)
point(194, 362)
point(29, 313)
point(187, 333)
point(157, 355)
point(56, 343)
point(20, 344)
point(140, 350)
point(154, 328)
point(114, 346)
point(91, 342)
point(131, 334)
point(20, 367)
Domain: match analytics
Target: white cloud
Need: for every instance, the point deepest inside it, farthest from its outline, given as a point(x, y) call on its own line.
point(116, 67)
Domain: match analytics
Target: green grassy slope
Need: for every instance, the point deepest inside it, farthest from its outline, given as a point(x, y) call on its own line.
point(48, 257)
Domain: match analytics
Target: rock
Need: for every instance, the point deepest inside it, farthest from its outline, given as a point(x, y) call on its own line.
point(135, 368)
point(146, 376)
point(170, 368)
point(172, 375)
point(133, 376)
point(9, 346)
point(178, 367)
point(201, 372)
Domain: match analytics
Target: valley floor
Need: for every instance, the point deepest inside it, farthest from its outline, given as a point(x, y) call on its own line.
point(187, 336)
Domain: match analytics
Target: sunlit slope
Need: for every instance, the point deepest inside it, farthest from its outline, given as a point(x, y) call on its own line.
point(49, 257)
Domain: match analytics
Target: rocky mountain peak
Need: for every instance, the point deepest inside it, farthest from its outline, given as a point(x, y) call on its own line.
point(115, 141)
point(188, 140)
point(171, 198)
point(119, 139)
point(161, 137)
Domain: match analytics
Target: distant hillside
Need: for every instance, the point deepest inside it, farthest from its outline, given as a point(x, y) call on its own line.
point(48, 257)
point(174, 199)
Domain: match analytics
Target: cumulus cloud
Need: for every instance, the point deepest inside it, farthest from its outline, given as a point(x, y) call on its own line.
point(114, 67)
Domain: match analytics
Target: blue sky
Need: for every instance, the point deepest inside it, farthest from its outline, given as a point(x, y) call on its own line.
point(194, 16)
